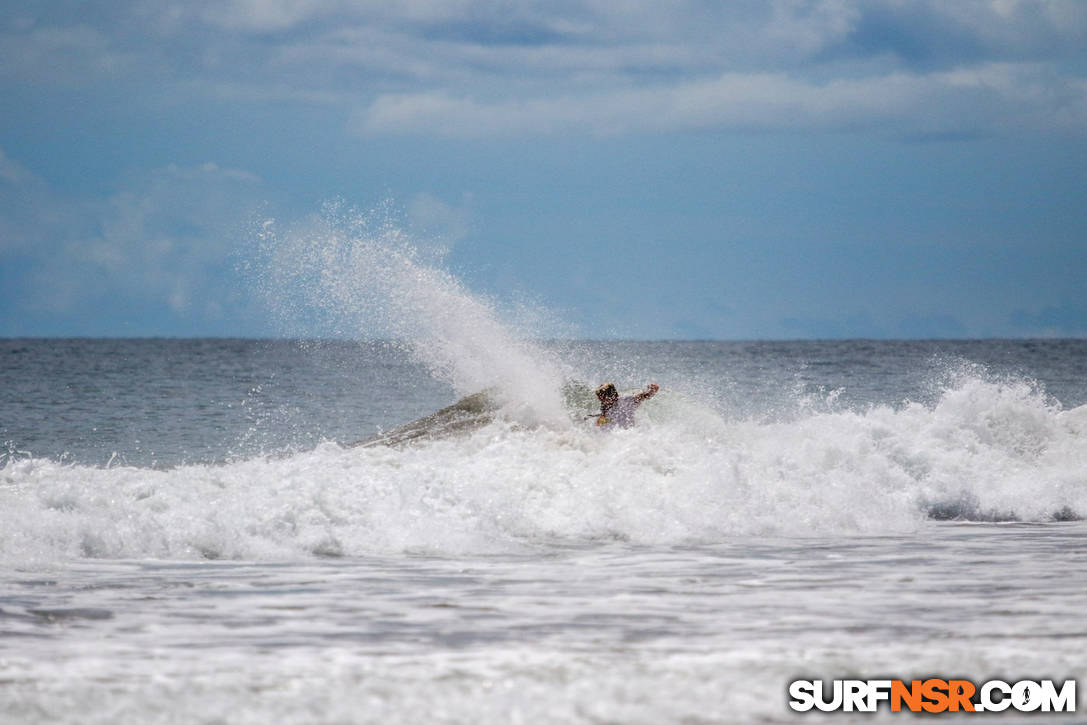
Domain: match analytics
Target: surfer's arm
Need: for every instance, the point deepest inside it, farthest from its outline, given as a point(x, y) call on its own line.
point(650, 391)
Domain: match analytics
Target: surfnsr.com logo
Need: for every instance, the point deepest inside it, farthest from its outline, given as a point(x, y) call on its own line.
point(933, 695)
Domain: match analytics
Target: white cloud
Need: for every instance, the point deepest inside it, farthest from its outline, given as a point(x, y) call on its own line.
point(431, 219)
point(163, 242)
point(908, 67)
point(982, 98)
point(468, 68)
point(61, 55)
point(809, 27)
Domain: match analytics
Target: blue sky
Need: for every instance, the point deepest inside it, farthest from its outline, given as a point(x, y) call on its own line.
point(792, 169)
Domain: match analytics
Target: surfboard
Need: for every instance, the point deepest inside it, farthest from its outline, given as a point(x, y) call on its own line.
point(466, 415)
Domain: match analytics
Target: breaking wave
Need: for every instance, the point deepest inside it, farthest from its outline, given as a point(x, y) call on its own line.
point(985, 451)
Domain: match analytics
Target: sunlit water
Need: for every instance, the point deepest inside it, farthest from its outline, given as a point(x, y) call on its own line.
point(185, 538)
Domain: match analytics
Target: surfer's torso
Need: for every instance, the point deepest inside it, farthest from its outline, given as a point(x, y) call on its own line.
point(620, 414)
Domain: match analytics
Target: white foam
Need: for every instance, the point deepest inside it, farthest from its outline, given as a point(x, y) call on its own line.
point(984, 450)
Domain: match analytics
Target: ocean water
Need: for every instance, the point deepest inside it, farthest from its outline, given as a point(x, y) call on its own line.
point(187, 535)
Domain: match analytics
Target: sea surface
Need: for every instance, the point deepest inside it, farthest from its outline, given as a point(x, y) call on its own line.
point(187, 534)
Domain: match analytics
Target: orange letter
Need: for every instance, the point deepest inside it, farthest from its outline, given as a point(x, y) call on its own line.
point(959, 693)
point(935, 691)
point(911, 694)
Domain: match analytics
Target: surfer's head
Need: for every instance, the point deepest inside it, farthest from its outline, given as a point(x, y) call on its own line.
point(607, 393)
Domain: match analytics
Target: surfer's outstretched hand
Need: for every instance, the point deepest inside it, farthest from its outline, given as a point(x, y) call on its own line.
point(650, 391)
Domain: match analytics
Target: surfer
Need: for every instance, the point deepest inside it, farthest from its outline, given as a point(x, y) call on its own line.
point(617, 411)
